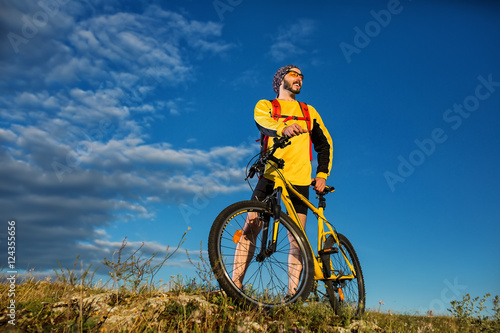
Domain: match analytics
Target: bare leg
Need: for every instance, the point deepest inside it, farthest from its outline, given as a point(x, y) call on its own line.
point(294, 260)
point(245, 248)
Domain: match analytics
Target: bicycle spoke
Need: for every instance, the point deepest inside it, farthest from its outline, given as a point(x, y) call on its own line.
point(346, 294)
point(263, 275)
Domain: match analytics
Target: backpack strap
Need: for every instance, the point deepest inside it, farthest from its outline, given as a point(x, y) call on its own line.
point(276, 114)
point(305, 112)
point(276, 109)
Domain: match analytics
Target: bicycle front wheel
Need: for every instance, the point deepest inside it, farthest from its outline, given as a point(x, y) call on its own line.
point(346, 295)
point(253, 271)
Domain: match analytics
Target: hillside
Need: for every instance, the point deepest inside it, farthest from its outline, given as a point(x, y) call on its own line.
point(44, 306)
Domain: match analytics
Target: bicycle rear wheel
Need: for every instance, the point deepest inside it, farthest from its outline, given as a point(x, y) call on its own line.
point(346, 295)
point(266, 279)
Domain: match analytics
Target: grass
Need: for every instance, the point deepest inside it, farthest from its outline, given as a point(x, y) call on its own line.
point(418, 323)
point(132, 302)
point(45, 306)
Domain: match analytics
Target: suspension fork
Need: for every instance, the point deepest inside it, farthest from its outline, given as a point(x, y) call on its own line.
point(268, 248)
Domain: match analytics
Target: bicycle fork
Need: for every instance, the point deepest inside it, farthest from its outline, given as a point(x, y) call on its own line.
point(268, 248)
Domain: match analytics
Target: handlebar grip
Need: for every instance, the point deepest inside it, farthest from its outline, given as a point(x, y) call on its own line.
point(328, 189)
point(252, 171)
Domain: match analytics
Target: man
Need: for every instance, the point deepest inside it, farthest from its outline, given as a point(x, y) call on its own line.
point(287, 83)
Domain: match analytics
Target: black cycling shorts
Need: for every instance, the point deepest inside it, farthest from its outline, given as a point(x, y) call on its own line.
point(265, 187)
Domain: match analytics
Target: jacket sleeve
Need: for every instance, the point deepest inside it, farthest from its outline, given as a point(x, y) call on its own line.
point(264, 121)
point(323, 145)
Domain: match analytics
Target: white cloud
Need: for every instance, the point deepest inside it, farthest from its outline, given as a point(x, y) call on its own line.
point(292, 40)
point(75, 156)
point(7, 135)
point(94, 183)
point(131, 53)
point(177, 106)
point(26, 99)
point(247, 78)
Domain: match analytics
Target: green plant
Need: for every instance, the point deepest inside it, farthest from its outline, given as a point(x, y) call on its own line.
point(204, 271)
point(179, 284)
point(496, 308)
point(466, 308)
point(462, 310)
point(469, 312)
point(137, 272)
point(70, 277)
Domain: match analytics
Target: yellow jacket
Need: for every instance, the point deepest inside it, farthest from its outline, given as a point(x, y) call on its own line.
point(298, 167)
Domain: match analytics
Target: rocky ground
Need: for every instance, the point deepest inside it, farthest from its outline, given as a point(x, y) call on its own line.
point(109, 312)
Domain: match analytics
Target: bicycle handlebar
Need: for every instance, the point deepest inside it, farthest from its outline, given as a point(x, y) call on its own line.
point(268, 155)
point(281, 142)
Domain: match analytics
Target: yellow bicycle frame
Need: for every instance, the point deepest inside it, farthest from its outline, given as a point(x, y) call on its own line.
point(322, 234)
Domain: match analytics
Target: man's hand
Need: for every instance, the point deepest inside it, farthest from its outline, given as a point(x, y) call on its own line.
point(293, 130)
point(320, 184)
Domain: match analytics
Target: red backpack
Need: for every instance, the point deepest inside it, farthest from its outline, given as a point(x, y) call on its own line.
point(264, 140)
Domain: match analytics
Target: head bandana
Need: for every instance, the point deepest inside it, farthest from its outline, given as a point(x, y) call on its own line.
point(278, 77)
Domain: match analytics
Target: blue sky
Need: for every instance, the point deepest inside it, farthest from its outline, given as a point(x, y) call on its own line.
point(135, 119)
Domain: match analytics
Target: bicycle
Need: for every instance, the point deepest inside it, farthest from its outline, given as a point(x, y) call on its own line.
point(269, 254)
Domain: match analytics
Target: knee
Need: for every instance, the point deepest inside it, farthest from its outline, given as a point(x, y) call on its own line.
point(252, 226)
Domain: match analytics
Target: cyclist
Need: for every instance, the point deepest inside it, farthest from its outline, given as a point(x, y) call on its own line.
point(287, 83)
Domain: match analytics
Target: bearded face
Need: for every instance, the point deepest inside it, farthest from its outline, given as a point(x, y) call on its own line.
point(292, 83)
point(294, 87)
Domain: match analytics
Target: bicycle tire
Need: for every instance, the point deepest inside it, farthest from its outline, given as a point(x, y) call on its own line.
point(353, 290)
point(263, 283)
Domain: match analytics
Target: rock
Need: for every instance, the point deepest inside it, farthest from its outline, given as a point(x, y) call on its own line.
point(123, 314)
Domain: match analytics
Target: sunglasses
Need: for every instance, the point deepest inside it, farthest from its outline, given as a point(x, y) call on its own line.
point(295, 74)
